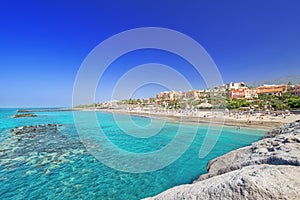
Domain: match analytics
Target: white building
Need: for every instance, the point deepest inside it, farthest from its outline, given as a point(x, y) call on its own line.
point(236, 86)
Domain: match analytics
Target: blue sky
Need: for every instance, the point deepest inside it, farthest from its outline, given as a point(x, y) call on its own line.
point(43, 43)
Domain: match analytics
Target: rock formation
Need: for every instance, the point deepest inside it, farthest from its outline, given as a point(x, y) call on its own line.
point(268, 169)
point(24, 115)
point(44, 147)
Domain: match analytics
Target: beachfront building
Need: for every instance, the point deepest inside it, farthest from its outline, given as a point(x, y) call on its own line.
point(192, 94)
point(217, 91)
point(243, 93)
point(278, 90)
point(239, 91)
point(197, 94)
point(236, 94)
point(168, 95)
point(250, 93)
point(296, 90)
point(203, 93)
point(236, 86)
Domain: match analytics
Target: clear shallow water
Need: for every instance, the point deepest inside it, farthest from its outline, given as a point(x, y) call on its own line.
point(66, 170)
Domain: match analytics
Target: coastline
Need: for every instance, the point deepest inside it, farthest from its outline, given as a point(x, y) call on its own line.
point(265, 148)
point(215, 118)
point(242, 173)
point(266, 169)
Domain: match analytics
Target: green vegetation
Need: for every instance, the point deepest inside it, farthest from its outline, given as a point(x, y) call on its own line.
point(213, 100)
point(267, 101)
point(237, 103)
point(174, 104)
point(294, 102)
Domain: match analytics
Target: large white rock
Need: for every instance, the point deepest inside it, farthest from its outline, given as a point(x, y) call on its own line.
point(267, 169)
point(257, 182)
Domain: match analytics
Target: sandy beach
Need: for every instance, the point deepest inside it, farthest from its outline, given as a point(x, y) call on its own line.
point(257, 120)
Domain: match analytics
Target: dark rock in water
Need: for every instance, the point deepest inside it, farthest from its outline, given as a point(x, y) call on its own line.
point(52, 125)
point(24, 115)
point(39, 146)
point(31, 136)
point(22, 111)
point(19, 132)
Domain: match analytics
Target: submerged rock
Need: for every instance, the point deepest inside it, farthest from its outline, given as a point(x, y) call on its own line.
point(24, 115)
point(22, 111)
point(38, 146)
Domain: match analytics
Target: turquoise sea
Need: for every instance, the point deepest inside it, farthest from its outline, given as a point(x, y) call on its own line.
point(56, 165)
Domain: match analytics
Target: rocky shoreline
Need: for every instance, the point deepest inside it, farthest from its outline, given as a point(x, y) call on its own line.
point(38, 147)
point(267, 169)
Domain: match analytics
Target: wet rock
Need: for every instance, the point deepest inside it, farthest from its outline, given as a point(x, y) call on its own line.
point(19, 132)
point(22, 111)
point(42, 145)
point(24, 115)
